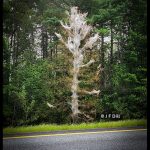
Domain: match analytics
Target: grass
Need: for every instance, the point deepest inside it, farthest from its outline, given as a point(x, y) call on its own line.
point(54, 127)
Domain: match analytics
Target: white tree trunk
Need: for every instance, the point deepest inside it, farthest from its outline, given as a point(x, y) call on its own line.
point(77, 31)
point(74, 89)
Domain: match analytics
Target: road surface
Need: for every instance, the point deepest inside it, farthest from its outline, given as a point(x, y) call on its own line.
point(106, 139)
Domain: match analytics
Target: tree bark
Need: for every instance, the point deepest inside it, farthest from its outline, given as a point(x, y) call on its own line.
point(44, 43)
point(74, 102)
point(111, 48)
point(102, 62)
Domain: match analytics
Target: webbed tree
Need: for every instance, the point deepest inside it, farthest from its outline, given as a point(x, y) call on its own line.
point(78, 32)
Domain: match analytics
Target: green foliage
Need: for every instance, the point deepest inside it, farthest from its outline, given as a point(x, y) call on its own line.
point(30, 81)
point(36, 84)
point(103, 31)
point(51, 21)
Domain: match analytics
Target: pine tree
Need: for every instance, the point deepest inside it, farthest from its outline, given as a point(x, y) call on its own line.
point(77, 32)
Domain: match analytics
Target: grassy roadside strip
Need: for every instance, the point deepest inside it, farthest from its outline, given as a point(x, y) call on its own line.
point(54, 127)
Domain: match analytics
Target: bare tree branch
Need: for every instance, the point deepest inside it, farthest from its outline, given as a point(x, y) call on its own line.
point(89, 63)
point(50, 105)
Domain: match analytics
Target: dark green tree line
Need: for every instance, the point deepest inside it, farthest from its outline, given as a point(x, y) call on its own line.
point(36, 67)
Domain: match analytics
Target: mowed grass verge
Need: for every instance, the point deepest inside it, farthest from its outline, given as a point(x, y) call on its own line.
point(54, 127)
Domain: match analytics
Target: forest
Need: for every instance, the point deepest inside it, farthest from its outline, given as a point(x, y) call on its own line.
point(37, 67)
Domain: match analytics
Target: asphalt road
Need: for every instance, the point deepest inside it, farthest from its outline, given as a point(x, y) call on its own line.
point(127, 139)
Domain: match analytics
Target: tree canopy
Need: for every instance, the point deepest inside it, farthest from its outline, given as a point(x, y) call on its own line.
point(37, 67)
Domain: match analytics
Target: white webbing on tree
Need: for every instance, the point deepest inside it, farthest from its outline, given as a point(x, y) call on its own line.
point(77, 30)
